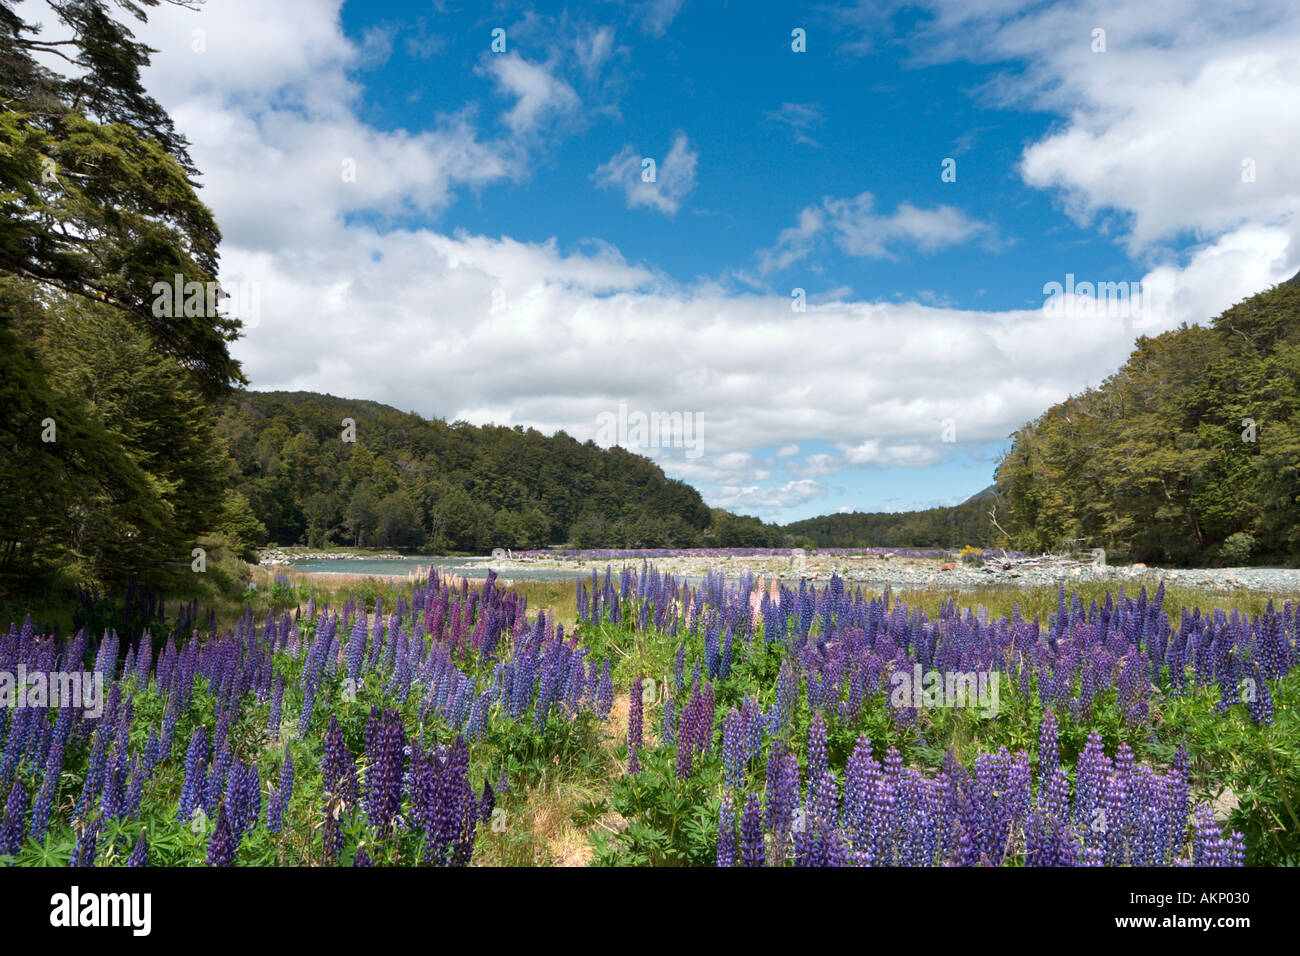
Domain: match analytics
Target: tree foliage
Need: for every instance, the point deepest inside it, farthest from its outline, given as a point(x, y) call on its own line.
point(111, 468)
point(407, 481)
point(1193, 443)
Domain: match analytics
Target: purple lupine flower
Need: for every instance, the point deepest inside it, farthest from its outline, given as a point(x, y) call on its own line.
point(282, 795)
point(86, 845)
point(113, 800)
point(243, 799)
point(196, 761)
point(458, 818)
point(605, 693)
point(140, 854)
point(94, 780)
point(733, 750)
point(814, 835)
point(726, 832)
point(338, 769)
point(1260, 702)
point(222, 846)
point(14, 821)
point(688, 733)
point(884, 815)
point(751, 833)
point(1091, 771)
point(44, 801)
point(340, 785)
point(152, 753)
point(218, 773)
point(426, 768)
point(635, 709)
point(1111, 819)
point(362, 858)
point(782, 794)
point(860, 776)
point(385, 759)
point(135, 788)
point(817, 760)
point(787, 692)
point(277, 704)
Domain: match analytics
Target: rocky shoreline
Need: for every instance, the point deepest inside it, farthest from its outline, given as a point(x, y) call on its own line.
point(908, 573)
point(276, 557)
point(869, 570)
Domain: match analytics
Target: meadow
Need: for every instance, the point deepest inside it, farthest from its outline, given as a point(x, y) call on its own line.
point(639, 720)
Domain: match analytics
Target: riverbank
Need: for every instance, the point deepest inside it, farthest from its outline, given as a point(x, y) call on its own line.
point(284, 557)
point(873, 570)
point(900, 571)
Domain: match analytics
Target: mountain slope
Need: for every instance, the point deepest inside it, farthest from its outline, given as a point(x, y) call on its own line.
point(1189, 453)
point(406, 481)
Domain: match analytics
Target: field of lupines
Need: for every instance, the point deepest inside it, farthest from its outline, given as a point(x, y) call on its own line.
point(764, 726)
point(625, 554)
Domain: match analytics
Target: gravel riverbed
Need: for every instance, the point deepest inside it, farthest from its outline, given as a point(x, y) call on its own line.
point(914, 573)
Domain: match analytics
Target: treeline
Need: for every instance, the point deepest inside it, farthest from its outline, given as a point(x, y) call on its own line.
point(966, 524)
point(391, 479)
point(1188, 454)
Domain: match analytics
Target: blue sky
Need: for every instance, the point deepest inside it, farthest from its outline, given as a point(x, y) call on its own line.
point(489, 251)
point(775, 132)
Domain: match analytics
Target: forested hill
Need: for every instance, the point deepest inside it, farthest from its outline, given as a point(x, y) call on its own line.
point(963, 524)
point(407, 481)
point(1189, 453)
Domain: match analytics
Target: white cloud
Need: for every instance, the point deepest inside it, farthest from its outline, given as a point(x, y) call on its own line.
point(593, 49)
point(755, 499)
point(726, 468)
point(540, 93)
point(1157, 127)
point(674, 176)
point(657, 15)
point(484, 328)
point(815, 465)
point(858, 230)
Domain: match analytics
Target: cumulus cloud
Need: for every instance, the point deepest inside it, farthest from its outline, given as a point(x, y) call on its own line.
point(1158, 127)
point(858, 229)
point(462, 325)
point(762, 500)
point(817, 464)
point(674, 176)
point(540, 94)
